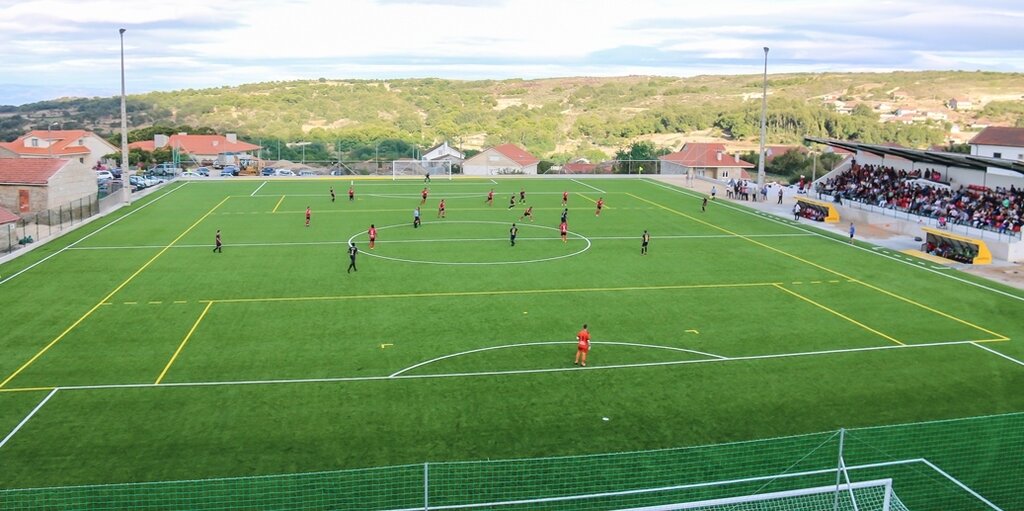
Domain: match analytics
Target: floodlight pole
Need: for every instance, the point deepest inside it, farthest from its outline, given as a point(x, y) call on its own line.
point(125, 182)
point(764, 113)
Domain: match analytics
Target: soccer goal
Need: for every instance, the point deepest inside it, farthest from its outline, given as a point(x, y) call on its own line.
point(874, 495)
point(421, 168)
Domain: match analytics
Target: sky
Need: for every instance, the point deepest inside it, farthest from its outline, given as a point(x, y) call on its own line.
point(61, 48)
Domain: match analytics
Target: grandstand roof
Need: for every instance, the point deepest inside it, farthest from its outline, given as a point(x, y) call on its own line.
point(931, 157)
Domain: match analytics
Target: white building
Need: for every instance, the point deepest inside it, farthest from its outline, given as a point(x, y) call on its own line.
point(999, 142)
point(502, 159)
point(444, 152)
point(85, 147)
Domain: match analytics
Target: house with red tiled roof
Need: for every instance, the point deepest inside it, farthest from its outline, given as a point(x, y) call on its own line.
point(579, 167)
point(999, 142)
point(502, 159)
point(29, 185)
point(85, 146)
point(709, 160)
point(203, 149)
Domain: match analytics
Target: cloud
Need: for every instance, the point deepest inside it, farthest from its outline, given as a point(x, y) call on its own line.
point(67, 45)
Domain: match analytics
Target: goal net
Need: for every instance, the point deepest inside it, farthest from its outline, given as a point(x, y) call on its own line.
point(874, 495)
point(421, 168)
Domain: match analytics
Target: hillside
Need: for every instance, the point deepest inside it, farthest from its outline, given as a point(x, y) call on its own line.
point(562, 117)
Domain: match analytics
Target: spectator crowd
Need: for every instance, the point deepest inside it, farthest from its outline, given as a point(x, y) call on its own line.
point(921, 193)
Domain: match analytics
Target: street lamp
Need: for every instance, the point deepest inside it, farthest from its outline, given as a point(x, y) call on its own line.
point(764, 113)
point(124, 132)
point(49, 139)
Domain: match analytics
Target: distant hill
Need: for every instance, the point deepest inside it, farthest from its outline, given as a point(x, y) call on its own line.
point(561, 117)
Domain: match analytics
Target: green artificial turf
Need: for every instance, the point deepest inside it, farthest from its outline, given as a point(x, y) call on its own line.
point(818, 327)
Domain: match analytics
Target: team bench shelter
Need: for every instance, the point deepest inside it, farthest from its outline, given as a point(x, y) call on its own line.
point(955, 247)
point(817, 210)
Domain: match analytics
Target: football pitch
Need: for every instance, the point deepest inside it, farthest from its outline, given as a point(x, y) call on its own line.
point(132, 352)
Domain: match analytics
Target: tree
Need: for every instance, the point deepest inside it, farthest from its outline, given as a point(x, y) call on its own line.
point(636, 155)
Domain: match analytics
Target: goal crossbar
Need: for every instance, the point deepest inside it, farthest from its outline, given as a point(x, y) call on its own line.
point(745, 499)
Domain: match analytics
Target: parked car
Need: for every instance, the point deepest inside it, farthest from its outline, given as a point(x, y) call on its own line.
point(151, 181)
point(138, 182)
point(283, 172)
point(189, 173)
point(267, 171)
point(337, 172)
point(307, 173)
point(229, 170)
point(202, 171)
point(104, 175)
point(165, 169)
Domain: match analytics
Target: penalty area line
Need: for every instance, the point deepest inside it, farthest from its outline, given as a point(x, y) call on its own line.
point(990, 350)
point(253, 194)
point(588, 186)
point(27, 418)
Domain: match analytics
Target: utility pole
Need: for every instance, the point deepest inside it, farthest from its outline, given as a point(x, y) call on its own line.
point(764, 114)
point(125, 182)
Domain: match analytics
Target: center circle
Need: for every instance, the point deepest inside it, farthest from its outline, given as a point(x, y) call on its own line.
point(571, 236)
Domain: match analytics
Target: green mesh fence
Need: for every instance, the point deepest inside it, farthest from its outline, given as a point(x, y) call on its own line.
point(965, 464)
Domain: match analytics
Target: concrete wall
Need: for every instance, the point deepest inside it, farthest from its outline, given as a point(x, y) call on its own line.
point(1012, 251)
point(9, 197)
point(1009, 153)
point(71, 183)
point(670, 167)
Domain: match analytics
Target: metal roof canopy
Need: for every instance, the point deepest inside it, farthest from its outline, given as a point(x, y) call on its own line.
point(966, 161)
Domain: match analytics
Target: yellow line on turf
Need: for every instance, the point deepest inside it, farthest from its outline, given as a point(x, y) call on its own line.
point(837, 313)
point(936, 311)
point(490, 293)
point(109, 296)
point(279, 201)
point(27, 389)
point(820, 267)
point(585, 197)
point(183, 343)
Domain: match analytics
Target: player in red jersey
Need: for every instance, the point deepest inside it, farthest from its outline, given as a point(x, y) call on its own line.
point(600, 204)
point(490, 198)
point(373, 235)
point(564, 230)
point(582, 346)
point(440, 209)
point(522, 195)
point(565, 198)
point(308, 214)
point(527, 213)
point(424, 194)
point(351, 194)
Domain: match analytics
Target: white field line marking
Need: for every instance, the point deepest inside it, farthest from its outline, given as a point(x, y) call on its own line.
point(27, 417)
point(548, 343)
point(1007, 357)
point(87, 236)
point(493, 181)
point(341, 379)
point(773, 218)
point(962, 485)
point(435, 193)
point(253, 194)
point(588, 186)
point(505, 239)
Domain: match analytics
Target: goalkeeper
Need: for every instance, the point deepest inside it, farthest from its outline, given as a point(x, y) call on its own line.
point(582, 346)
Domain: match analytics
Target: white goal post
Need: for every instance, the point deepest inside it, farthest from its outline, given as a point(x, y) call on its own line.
point(421, 168)
point(874, 495)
